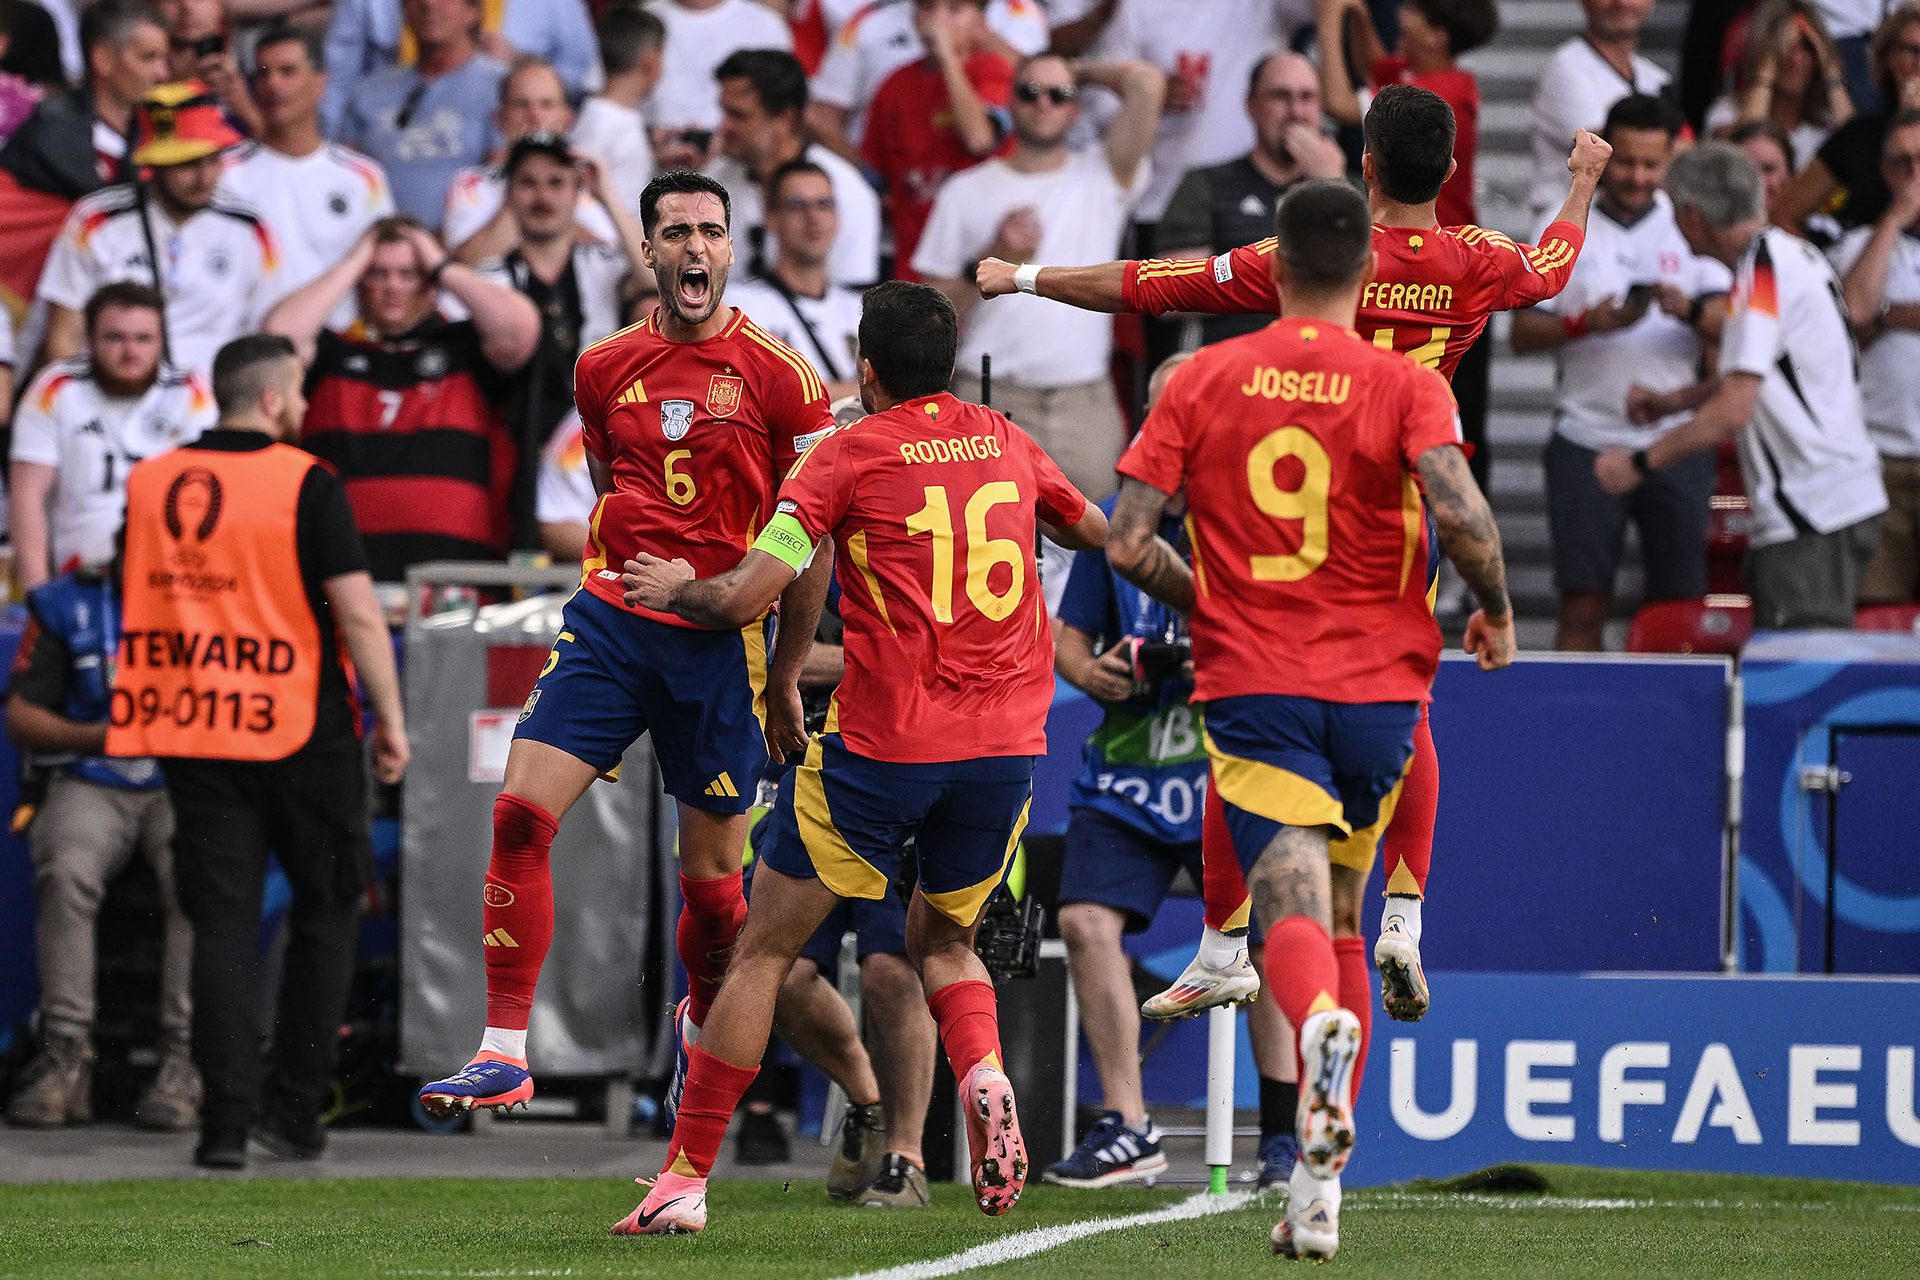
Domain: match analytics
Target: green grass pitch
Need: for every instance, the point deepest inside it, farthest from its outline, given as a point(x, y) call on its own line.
point(1590, 1223)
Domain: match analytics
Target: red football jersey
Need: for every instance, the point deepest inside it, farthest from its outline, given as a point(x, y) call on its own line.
point(913, 144)
point(1296, 447)
point(1431, 298)
point(697, 435)
point(931, 506)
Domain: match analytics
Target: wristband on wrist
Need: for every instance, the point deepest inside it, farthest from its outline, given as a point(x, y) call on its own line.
point(1575, 326)
point(1026, 277)
point(1641, 463)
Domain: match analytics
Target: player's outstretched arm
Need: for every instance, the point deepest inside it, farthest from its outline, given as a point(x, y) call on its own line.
point(1472, 541)
point(1588, 161)
point(1139, 554)
point(1088, 533)
point(726, 602)
point(1095, 288)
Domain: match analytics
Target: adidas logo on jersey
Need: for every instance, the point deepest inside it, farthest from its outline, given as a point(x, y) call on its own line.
point(635, 394)
point(723, 786)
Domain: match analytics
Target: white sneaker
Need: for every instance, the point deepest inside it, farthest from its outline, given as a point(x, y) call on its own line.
point(1403, 984)
point(1311, 1227)
point(1329, 1048)
point(1202, 986)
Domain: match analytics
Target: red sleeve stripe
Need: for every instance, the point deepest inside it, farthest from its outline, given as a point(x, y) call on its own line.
point(50, 391)
point(1766, 292)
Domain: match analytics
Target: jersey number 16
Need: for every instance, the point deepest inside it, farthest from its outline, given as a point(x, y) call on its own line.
point(982, 552)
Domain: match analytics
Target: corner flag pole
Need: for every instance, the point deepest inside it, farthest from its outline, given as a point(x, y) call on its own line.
point(1222, 1023)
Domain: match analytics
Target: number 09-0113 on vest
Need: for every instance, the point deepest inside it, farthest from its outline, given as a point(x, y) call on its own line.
point(220, 653)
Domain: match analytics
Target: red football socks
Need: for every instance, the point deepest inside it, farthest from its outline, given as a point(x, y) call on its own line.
point(711, 913)
point(1407, 846)
point(713, 1089)
point(1301, 970)
point(1356, 994)
point(517, 908)
point(1223, 887)
point(969, 1017)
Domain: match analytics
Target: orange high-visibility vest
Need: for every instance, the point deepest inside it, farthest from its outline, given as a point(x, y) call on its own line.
point(219, 652)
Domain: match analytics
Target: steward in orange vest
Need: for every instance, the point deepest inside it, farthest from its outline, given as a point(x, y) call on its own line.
point(244, 580)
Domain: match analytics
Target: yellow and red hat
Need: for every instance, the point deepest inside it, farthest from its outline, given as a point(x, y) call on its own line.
point(180, 123)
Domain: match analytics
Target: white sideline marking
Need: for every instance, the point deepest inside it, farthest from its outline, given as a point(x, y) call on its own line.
point(1025, 1244)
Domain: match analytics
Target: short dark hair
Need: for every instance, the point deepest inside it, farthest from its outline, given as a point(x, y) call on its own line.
point(1645, 111)
point(521, 65)
point(241, 369)
point(1747, 130)
point(1325, 234)
point(792, 169)
point(310, 39)
point(112, 21)
point(123, 293)
point(1468, 23)
point(1409, 133)
point(778, 79)
point(393, 228)
point(627, 32)
point(909, 333)
point(683, 182)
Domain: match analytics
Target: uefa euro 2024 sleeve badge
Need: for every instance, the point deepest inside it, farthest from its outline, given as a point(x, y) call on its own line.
point(676, 418)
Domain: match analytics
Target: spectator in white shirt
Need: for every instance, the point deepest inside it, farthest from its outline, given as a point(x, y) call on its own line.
point(763, 104)
point(794, 299)
point(476, 224)
point(578, 285)
point(1631, 315)
point(83, 424)
point(872, 41)
point(212, 259)
point(611, 124)
point(1585, 77)
point(1047, 202)
point(1881, 283)
point(700, 36)
point(317, 196)
point(1788, 390)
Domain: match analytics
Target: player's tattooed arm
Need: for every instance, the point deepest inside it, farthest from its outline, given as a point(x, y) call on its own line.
point(1472, 542)
point(1139, 554)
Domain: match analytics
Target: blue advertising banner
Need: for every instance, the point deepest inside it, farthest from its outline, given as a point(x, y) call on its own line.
point(1829, 876)
point(1803, 1077)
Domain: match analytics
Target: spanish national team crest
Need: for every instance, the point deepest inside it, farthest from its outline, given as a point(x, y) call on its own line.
point(676, 418)
point(723, 395)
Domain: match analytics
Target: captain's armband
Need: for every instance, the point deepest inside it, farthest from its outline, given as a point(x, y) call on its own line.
point(786, 540)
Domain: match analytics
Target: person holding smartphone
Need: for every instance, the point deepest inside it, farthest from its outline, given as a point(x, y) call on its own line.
point(1634, 317)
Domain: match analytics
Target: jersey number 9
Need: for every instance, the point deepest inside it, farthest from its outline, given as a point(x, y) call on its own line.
point(983, 552)
point(1306, 502)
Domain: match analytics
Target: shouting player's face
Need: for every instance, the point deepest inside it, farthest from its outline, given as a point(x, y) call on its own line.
point(690, 252)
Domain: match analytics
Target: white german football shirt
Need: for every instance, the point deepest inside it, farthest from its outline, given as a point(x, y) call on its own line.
point(1890, 366)
point(216, 270)
point(855, 257)
point(1808, 462)
point(318, 205)
point(477, 193)
point(1575, 92)
point(830, 338)
point(1659, 353)
point(65, 421)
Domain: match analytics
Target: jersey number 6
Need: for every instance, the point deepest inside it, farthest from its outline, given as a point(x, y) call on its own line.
point(983, 552)
point(679, 483)
point(1305, 502)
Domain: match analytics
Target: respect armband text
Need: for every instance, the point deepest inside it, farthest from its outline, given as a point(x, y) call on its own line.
point(786, 540)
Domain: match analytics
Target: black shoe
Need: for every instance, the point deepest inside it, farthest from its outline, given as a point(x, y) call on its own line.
point(761, 1140)
point(221, 1148)
point(290, 1141)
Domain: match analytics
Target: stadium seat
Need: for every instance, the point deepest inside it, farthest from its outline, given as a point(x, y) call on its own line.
point(1728, 519)
point(1888, 617)
point(1715, 624)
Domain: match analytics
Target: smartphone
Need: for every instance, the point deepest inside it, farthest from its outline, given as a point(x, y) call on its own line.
point(210, 46)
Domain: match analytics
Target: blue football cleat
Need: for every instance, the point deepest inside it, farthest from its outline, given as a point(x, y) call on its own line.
point(489, 1081)
point(1279, 1152)
point(684, 1034)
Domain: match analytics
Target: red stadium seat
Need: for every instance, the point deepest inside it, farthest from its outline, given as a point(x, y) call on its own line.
point(1888, 617)
point(1716, 624)
point(1727, 521)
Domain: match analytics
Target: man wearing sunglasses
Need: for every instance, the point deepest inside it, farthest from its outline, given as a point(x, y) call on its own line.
point(1044, 198)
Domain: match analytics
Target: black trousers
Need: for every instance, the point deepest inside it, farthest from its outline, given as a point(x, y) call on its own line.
point(310, 812)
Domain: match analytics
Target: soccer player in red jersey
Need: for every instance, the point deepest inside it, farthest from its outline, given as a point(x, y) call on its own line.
point(1431, 298)
point(1298, 448)
point(689, 419)
point(931, 504)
